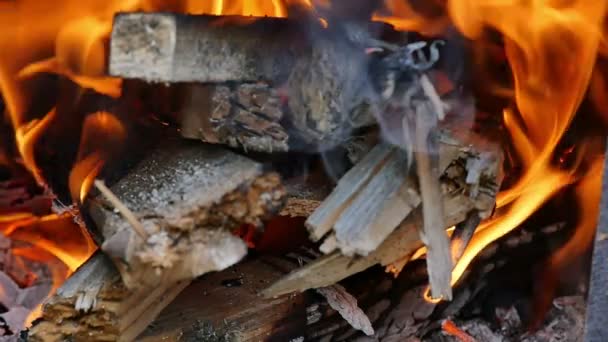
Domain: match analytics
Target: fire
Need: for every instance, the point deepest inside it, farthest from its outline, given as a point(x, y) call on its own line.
point(100, 130)
point(551, 47)
point(403, 16)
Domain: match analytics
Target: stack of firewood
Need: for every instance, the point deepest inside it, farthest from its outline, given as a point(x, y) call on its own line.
point(253, 89)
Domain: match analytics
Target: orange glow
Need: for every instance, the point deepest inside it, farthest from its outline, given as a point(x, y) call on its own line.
point(57, 234)
point(451, 329)
point(55, 240)
point(110, 86)
point(26, 136)
point(551, 47)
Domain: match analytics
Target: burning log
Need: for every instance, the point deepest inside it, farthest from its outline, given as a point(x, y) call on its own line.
point(187, 197)
point(95, 305)
point(467, 187)
point(270, 84)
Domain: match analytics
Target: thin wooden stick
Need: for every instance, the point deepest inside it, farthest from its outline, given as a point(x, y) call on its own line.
point(124, 211)
point(426, 154)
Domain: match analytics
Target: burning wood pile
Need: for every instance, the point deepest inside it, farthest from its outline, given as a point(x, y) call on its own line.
point(267, 85)
point(323, 175)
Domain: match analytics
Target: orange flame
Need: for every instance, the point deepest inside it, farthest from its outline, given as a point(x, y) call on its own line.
point(551, 48)
point(402, 16)
point(588, 193)
point(102, 134)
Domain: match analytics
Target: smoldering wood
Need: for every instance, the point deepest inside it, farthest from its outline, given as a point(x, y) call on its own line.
point(318, 77)
point(187, 196)
point(257, 117)
point(95, 305)
point(459, 201)
point(402, 313)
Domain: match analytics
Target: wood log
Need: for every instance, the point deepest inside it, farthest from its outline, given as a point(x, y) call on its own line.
point(226, 305)
point(186, 196)
point(220, 312)
point(461, 195)
point(376, 208)
point(95, 305)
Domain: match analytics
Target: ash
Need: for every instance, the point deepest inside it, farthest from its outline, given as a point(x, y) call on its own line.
point(565, 322)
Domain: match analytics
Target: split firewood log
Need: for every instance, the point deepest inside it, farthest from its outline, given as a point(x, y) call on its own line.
point(184, 199)
point(95, 305)
point(353, 220)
